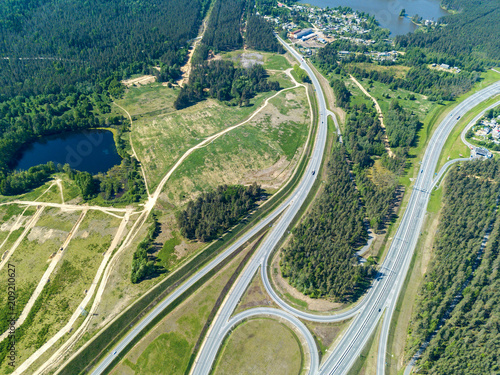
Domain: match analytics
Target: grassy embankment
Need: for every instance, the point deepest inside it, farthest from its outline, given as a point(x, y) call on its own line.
point(264, 346)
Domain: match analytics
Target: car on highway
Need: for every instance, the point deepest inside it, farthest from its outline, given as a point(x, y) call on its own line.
point(314, 172)
point(458, 118)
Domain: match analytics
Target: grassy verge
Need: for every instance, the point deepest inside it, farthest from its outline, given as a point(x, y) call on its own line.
point(366, 364)
point(186, 325)
point(454, 147)
point(263, 346)
point(404, 307)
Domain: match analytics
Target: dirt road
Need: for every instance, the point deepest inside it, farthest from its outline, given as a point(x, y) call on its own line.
point(380, 116)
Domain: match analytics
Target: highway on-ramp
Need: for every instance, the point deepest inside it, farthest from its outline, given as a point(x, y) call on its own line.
point(385, 288)
point(292, 203)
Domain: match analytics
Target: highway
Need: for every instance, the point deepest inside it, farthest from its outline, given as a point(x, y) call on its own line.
point(218, 329)
point(292, 203)
point(384, 290)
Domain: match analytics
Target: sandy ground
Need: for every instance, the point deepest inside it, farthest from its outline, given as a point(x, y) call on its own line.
point(139, 81)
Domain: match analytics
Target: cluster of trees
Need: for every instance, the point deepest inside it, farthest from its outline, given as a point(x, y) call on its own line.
point(90, 40)
point(142, 265)
point(364, 142)
point(320, 260)
point(19, 182)
point(223, 32)
point(467, 36)
point(300, 74)
point(121, 184)
point(437, 85)
point(467, 343)
point(214, 212)
point(342, 94)
point(401, 126)
point(221, 80)
point(259, 35)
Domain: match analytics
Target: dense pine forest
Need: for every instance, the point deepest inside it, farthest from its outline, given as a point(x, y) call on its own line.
point(214, 212)
point(260, 35)
point(48, 46)
point(468, 342)
point(223, 31)
point(320, 260)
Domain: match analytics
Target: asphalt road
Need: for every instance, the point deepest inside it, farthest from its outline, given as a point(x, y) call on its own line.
point(385, 288)
point(218, 329)
point(291, 204)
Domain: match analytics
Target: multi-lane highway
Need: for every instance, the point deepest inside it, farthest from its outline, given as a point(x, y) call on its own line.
point(219, 327)
point(292, 204)
point(385, 288)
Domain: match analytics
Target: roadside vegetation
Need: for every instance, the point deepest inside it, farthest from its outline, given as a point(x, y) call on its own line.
point(457, 294)
point(264, 346)
point(318, 261)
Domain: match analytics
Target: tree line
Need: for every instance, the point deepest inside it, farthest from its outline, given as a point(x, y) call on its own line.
point(222, 80)
point(214, 212)
point(466, 37)
point(260, 35)
point(467, 343)
point(320, 259)
point(142, 265)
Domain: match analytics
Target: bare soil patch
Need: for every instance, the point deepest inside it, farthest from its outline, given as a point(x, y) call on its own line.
point(139, 81)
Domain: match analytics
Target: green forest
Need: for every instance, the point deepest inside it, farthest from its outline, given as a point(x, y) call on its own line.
point(320, 259)
point(214, 212)
point(468, 341)
point(469, 38)
point(222, 80)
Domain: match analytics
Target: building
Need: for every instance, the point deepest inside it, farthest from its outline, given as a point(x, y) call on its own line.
point(495, 133)
point(307, 37)
point(445, 66)
point(303, 33)
point(482, 153)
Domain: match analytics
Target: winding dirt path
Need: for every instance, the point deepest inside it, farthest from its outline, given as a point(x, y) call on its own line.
point(6, 256)
point(134, 154)
point(380, 115)
point(77, 313)
point(46, 276)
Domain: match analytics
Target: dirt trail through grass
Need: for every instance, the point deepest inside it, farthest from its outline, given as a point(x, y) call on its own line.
point(134, 154)
point(380, 115)
point(46, 276)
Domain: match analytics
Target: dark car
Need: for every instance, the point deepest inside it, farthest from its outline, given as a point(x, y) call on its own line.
point(314, 172)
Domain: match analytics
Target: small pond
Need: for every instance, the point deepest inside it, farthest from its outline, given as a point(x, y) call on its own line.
point(92, 151)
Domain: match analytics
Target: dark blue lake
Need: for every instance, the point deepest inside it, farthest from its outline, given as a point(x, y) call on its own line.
point(92, 151)
point(387, 11)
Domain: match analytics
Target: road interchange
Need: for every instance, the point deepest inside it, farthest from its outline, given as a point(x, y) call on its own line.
point(384, 290)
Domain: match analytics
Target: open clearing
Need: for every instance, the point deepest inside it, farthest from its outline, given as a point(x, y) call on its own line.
point(171, 342)
point(161, 135)
point(265, 150)
point(70, 279)
point(260, 346)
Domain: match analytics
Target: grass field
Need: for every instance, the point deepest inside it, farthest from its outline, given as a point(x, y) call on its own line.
point(70, 279)
point(260, 346)
point(255, 296)
point(265, 150)
point(170, 343)
point(160, 140)
point(326, 334)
